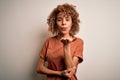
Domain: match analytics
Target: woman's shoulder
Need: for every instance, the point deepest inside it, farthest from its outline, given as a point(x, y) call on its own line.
point(51, 42)
point(79, 40)
point(50, 39)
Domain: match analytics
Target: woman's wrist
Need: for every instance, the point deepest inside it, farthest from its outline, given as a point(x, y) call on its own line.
point(58, 73)
point(61, 73)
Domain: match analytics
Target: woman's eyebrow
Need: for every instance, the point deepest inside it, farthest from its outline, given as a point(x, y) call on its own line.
point(63, 17)
point(59, 17)
point(67, 17)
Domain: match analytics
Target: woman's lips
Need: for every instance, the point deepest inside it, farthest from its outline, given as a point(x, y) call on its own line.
point(63, 28)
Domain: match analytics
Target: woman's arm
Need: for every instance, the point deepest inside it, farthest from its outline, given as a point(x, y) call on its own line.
point(44, 70)
point(68, 58)
point(71, 62)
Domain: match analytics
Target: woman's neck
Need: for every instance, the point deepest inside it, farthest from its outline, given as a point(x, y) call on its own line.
point(66, 36)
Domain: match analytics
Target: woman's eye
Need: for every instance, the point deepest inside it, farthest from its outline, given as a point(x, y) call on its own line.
point(58, 19)
point(67, 19)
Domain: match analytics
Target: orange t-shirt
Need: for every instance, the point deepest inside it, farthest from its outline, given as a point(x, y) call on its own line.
point(52, 52)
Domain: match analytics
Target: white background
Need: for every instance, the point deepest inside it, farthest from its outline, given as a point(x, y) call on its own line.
point(23, 29)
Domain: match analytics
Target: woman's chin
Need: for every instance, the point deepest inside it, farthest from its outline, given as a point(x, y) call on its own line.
point(64, 32)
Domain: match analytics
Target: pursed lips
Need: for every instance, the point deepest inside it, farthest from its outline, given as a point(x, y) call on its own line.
point(63, 28)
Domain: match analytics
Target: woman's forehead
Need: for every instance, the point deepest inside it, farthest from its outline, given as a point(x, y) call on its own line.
point(63, 14)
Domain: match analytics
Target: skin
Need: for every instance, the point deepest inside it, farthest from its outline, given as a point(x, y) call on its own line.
point(64, 24)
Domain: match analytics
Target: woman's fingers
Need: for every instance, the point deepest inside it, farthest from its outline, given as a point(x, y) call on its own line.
point(65, 41)
point(68, 73)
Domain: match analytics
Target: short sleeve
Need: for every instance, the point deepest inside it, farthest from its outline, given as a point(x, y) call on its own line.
point(79, 50)
point(44, 50)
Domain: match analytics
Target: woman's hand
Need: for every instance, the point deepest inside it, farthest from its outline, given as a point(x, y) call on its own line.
point(65, 42)
point(70, 69)
point(68, 73)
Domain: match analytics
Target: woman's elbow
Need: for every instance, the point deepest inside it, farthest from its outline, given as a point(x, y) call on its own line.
point(38, 70)
point(40, 66)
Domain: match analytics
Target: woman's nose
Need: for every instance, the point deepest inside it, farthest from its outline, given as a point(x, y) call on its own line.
point(63, 22)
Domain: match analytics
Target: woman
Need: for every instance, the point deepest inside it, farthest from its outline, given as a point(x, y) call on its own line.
point(63, 51)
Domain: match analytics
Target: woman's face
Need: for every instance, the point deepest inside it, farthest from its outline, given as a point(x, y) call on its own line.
point(64, 23)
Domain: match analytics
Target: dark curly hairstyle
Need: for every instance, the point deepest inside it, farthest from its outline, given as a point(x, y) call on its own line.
point(68, 9)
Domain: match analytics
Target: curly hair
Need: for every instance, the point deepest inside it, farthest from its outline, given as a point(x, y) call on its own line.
point(68, 9)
